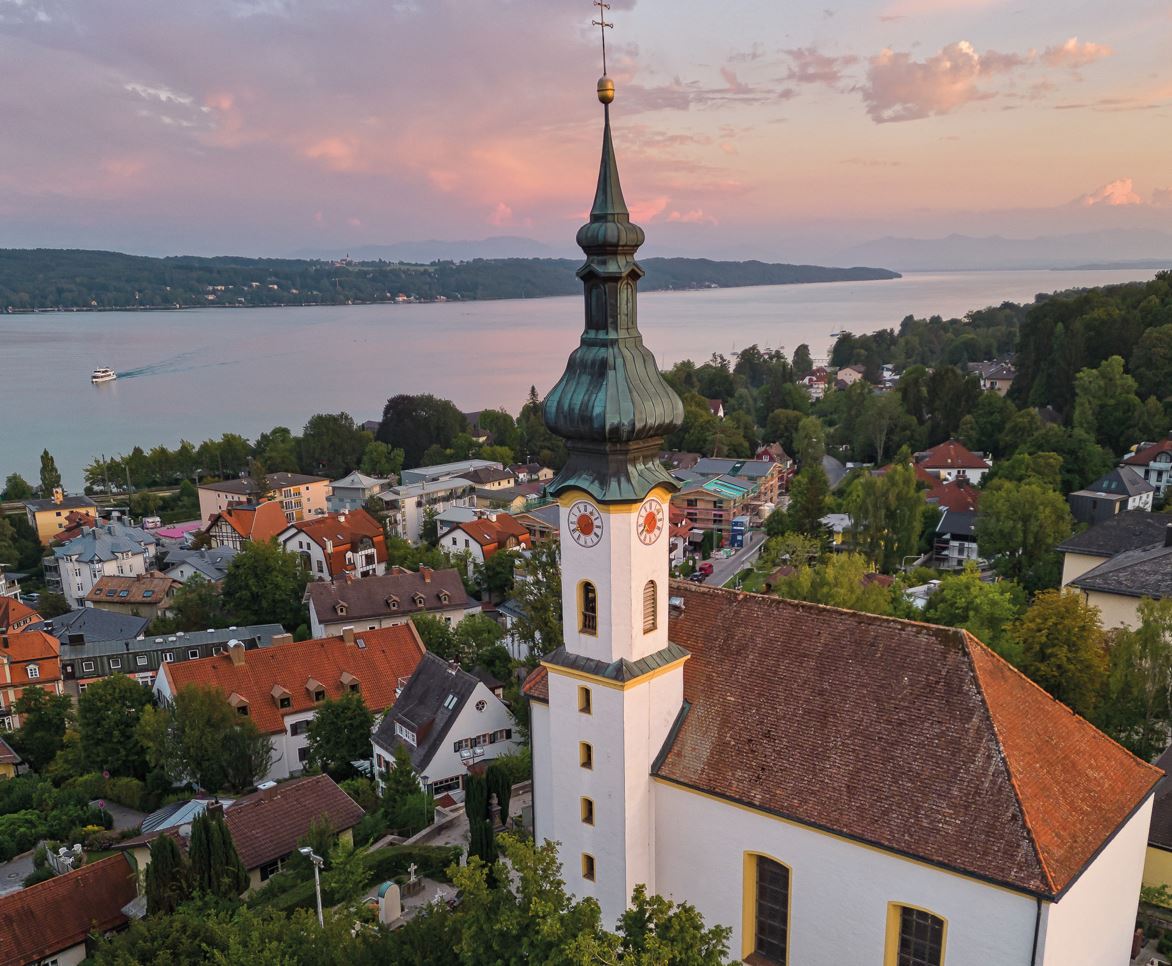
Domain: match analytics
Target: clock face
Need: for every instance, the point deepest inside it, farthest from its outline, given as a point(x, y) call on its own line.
point(585, 524)
point(650, 521)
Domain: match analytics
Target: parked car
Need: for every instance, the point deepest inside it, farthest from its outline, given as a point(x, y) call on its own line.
point(697, 578)
point(705, 568)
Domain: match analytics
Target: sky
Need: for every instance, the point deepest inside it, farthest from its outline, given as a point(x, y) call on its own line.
point(745, 128)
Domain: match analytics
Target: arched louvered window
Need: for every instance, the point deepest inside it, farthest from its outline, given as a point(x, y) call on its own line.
point(650, 607)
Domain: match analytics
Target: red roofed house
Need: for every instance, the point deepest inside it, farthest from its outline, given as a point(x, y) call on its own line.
point(15, 615)
point(950, 460)
point(1153, 461)
point(27, 659)
point(237, 525)
point(480, 539)
point(280, 687)
point(338, 543)
point(52, 921)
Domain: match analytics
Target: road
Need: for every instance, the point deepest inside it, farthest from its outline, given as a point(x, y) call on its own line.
point(723, 570)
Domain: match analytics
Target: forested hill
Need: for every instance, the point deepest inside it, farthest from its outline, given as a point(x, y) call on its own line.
point(45, 278)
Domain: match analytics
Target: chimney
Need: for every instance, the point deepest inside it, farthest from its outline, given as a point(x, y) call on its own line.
point(215, 809)
point(348, 635)
point(425, 573)
point(282, 639)
point(236, 652)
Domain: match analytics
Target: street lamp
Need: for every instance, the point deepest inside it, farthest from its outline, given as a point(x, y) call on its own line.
point(317, 861)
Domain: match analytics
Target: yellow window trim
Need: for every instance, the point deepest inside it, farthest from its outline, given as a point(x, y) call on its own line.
point(587, 806)
point(585, 755)
point(749, 904)
point(607, 682)
point(585, 700)
point(589, 867)
point(891, 950)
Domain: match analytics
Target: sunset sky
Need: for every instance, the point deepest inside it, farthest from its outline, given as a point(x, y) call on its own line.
point(746, 127)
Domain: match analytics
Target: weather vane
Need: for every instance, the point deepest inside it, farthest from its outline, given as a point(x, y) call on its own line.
point(605, 84)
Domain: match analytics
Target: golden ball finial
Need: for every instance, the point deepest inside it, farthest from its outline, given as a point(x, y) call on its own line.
point(605, 89)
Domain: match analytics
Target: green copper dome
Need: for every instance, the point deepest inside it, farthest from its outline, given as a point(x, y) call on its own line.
point(612, 405)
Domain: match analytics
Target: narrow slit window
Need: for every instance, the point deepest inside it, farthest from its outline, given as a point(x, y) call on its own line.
point(650, 607)
point(584, 700)
point(585, 754)
point(588, 622)
point(588, 866)
point(587, 811)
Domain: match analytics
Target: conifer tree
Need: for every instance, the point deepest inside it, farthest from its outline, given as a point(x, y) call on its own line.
point(168, 878)
point(216, 868)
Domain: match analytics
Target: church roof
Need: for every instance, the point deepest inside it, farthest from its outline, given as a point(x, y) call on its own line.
point(913, 738)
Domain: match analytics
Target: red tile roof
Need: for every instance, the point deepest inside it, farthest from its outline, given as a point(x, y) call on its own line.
point(341, 532)
point(951, 455)
point(266, 825)
point(536, 686)
point(492, 534)
point(943, 752)
point(38, 922)
point(959, 496)
point(31, 647)
point(253, 522)
point(15, 614)
point(386, 655)
point(1143, 456)
point(7, 755)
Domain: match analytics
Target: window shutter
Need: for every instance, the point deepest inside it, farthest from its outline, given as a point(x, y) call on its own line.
point(649, 607)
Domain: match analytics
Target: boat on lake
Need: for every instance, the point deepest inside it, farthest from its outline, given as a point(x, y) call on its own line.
point(102, 374)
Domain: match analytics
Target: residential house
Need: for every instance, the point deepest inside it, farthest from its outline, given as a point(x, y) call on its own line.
point(267, 827)
point(482, 538)
point(30, 659)
point(9, 583)
point(210, 564)
point(514, 499)
point(952, 459)
point(146, 595)
point(716, 407)
point(674, 459)
point(243, 523)
point(834, 469)
point(838, 528)
point(85, 661)
point(531, 472)
point(711, 504)
point(16, 615)
point(11, 763)
point(446, 519)
point(541, 522)
point(1153, 461)
point(775, 453)
point(764, 476)
point(1129, 530)
point(955, 543)
point(679, 535)
point(1158, 861)
point(1117, 586)
point(113, 549)
point(50, 516)
point(352, 491)
point(87, 625)
point(76, 523)
point(490, 478)
point(446, 471)
point(410, 505)
point(53, 923)
point(338, 543)
point(299, 496)
point(448, 720)
point(1120, 490)
point(369, 603)
point(816, 382)
point(996, 376)
point(279, 688)
point(849, 375)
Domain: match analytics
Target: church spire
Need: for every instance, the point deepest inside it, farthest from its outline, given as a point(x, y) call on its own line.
point(611, 405)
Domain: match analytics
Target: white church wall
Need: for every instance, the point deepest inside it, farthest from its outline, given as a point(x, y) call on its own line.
point(542, 771)
point(1092, 924)
point(839, 891)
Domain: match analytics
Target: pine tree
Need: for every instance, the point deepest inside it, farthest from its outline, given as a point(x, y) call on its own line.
point(401, 781)
point(482, 839)
point(50, 476)
point(168, 878)
point(216, 868)
point(500, 784)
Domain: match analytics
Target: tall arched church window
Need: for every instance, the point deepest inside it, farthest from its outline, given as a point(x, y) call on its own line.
point(650, 607)
point(588, 608)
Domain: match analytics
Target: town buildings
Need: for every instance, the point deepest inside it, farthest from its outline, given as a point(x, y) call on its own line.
point(89, 625)
point(337, 543)
point(393, 598)
point(114, 549)
point(446, 471)
point(233, 527)
point(50, 516)
point(299, 496)
point(16, 615)
point(146, 595)
point(783, 765)
point(1121, 489)
point(448, 720)
point(481, 539)
point(411, 505)
point(280, 687)
point(1153, 461)
point(996, 376)
point(353, 490)
point(952, 460)
point(712, 504)
point(208, 564)
point(27, 659)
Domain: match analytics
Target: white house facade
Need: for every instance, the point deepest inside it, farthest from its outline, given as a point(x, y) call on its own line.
point(111, 550)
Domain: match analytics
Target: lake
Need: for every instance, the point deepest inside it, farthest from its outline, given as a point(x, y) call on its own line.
point(197, 373)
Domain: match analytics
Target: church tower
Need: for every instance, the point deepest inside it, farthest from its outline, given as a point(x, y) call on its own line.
point(616, 686)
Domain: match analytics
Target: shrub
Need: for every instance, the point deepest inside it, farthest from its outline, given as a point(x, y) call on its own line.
point(430, 860)
point(126, 791)
point(362, 791)
point(42, 874)
point(372, 825)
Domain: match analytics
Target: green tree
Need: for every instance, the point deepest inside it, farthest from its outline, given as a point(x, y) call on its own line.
point(841, 580)
point(340, 734)
point(216, 869)
point(1151, 362)
point(401, 781)
point(1023, 467)
point(50, 476)
point(887, 514)
point(44, 717)
point(496, 575)
point(1106, 406)
point(414, 423)
point(808, 496)
point(16, 487)
point(1019, 525)
point(332, 445)
point(1138, 709)
point(810, 442)
point(501, 428)
point(381, 461)
point(264, 584)
point(52, 604)
point(985, 610)
point(782, 427)
point(1062, 649)
point(196, 606)
point(347, 873)
point(108, 713)
point(168, 877)
point(277, 451)
point(802, 364)
point(539, 598)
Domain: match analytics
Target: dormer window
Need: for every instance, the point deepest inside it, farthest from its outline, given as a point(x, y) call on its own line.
point(393, 602)
point(340, 608)
point(405, 733)
point(240, 703)
point(349, 682)
point(316, 690)
point(419, 599)
point(282, 697)
point(444, 596)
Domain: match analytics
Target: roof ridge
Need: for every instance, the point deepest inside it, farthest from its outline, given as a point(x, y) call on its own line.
point(968, 640)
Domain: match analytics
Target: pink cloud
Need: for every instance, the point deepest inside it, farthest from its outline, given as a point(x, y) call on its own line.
point(899, 88)
point(337, 154)
point(646, 211)
point(693, 217)
point(501, 215)
point(735, 86)
point(808, 65)
point(1117, 193)
point(1074, 54)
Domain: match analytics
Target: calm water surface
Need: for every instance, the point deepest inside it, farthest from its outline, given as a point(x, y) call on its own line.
point(201, 372)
